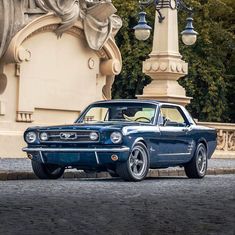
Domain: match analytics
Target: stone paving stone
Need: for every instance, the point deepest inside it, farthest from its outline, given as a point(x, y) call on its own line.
point(69, 175)
point(31, 176)
point(12, 176)
point(80, 174)
point(173, 172)
point(219, 171)
point(211, 171)
point(153, 173)
point(163, 173)
point(22, 176)
point(3, 176)
point(103, 175)
point(229, 171)
point(181, 173)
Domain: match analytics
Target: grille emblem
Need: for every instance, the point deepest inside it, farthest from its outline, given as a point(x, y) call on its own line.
point(68, 136)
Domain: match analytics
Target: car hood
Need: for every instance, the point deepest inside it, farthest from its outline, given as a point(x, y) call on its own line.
point(97, 126)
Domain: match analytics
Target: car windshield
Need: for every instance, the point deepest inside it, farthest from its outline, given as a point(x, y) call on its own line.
point(124, 112)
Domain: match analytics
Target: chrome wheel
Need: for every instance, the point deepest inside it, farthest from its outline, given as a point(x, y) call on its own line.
point(137, 166)
point(202, 161)
point(197, 167)
point(138, 161)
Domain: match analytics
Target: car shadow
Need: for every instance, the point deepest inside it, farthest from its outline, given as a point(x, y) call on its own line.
point(118, 179)
point(167, 178)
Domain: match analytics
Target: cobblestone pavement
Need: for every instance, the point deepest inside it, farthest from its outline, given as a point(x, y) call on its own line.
point(25, 164)
point(164, 205)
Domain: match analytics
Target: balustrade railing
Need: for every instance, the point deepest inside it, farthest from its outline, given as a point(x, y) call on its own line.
point(226, 135)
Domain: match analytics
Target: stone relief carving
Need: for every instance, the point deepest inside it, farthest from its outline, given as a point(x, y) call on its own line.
point(11, 21)
point(24, 117)
point(226, 140)
point(97, 16)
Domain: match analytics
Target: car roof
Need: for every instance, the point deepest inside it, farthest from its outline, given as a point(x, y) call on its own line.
point(115, 101)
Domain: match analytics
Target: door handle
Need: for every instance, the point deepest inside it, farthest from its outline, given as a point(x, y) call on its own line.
point(185, 129)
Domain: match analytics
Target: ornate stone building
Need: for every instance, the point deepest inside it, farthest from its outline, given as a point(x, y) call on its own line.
point(55, 58)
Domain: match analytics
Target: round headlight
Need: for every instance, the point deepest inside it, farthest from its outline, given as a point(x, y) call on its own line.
point(116, 137)
point(44, 136)
point(94, 136)
point(31, 137)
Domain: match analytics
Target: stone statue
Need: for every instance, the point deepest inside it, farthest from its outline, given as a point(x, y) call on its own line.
point(97, 16)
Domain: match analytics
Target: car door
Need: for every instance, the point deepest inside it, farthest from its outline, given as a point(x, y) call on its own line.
point(175, 143)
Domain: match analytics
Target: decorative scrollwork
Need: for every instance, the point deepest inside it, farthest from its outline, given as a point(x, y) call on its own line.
point(231, 142)
point(160, 4)
point(226, 140)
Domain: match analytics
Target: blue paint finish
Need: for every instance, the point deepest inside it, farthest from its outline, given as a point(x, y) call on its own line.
point(167, 145)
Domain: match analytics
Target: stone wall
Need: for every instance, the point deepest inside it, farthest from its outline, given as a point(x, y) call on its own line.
point(226, 138)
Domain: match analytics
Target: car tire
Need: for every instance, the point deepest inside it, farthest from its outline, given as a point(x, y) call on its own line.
point(137, 166)
point(47, 171)
point(197, 167)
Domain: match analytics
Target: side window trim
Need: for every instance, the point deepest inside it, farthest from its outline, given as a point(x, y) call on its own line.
point(157, 112)
point(172, 106)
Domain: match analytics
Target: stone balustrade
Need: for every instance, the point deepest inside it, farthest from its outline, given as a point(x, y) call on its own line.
point(226, 137)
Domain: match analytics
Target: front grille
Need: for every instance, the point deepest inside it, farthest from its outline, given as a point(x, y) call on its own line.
point(70, 136)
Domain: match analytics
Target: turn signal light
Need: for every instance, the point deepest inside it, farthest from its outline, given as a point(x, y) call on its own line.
point(114, 158)
point(30, 156)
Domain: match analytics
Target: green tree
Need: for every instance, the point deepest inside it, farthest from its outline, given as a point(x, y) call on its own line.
point(131, 81)
point(211, 80)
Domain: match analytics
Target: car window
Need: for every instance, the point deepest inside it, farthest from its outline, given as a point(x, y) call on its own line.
point(143, 113)
point(171, 116)
point(95, 115)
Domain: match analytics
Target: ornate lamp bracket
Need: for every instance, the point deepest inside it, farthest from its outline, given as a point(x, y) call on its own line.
point(160, 4)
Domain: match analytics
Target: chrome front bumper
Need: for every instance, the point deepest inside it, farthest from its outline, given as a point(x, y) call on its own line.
point(43, 153)
point(72, 150)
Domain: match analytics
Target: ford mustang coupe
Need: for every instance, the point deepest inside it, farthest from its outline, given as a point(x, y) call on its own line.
point(125, 138)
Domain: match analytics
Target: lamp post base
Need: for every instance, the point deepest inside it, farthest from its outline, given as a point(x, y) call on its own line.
point(164, 85)
point(182, 100)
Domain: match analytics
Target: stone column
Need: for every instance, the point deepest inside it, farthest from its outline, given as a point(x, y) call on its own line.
point(165, 65)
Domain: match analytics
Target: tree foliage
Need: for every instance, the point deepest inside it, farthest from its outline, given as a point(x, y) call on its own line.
point(211, 78)
point(131, 81)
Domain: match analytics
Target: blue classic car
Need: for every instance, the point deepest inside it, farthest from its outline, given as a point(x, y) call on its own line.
point(125, 138)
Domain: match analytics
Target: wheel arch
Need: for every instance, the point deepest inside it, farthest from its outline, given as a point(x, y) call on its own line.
point(203, 141)
point(143, 141)
point(139, 140)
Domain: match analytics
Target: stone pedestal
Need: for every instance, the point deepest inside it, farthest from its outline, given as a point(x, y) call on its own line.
point(165, 65)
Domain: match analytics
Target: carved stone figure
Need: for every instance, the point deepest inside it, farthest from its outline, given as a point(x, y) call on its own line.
point(98, 18)
point(11, 21)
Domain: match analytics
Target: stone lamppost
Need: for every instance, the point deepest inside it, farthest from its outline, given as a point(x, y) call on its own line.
point(165, 65)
